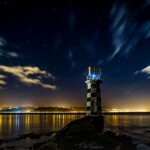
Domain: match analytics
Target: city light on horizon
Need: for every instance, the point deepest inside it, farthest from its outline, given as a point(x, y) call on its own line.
point(63, 109)
point(128, 110)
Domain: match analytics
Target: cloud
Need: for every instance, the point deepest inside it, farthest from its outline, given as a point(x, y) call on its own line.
point(12, 54)
point(2, 76)
point(2, 82)
point(8, 54)
point(125, 29)
point(118, 18)
point(71, 19)
point(121, 30)
point(70, 55)
point(3, 42)
point(88, 43)
point(4, 52)
point(24, 73)
point(145, 70)
point(145, 29)
point(71, 58)
point(136, 72)
point(99, 62)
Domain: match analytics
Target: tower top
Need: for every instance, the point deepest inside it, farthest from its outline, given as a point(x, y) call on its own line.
point(94, 73)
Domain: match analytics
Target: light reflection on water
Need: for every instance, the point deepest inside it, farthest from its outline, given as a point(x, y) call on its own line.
point(138, 126)
point(127, 120)
point(15, 125)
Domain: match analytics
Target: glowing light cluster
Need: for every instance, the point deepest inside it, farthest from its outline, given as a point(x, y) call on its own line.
point(128, 110)
point(94, 77)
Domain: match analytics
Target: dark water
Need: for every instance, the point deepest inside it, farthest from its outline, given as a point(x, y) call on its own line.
point(137, 126)
point(15, 125)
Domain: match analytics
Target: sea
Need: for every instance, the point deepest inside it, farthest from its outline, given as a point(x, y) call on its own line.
point(15, 125)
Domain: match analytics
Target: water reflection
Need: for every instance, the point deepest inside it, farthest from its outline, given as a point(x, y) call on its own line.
point(14, 125)
point(128, 123)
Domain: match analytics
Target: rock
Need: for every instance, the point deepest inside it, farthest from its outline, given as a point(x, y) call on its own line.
point(49, 146)
point(142, 147)
point(82, 134)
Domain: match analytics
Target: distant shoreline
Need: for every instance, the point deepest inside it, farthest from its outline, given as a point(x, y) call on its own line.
point(42, 113)
point(126, 113)
point(77, 113)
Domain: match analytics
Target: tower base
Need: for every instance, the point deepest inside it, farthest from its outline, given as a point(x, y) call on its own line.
point(97, 121)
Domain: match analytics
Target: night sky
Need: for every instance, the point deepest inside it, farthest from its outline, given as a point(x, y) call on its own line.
point(45, 49)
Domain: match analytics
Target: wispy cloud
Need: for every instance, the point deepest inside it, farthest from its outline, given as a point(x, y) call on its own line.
point(119, 16)
point(145, 29)
point(71, 58)
point(4, 52)
point(2, 76)
point(145, 70)
point(125, 29)
point(3, 42)
point(24, 74)
point(2, 81)
point(8, 54)
point(71, 19)
point(12, 54)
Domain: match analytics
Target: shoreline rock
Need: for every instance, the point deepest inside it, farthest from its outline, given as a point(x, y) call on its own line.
point(27, 141)
point(81, 134)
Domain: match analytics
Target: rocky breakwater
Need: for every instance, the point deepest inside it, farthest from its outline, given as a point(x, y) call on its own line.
point(83, 134)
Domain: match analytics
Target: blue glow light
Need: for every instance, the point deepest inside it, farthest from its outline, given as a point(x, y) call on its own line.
point(18, 111)
point(94, 77)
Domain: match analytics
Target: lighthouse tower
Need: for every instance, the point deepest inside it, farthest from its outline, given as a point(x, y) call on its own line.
point(93, 91)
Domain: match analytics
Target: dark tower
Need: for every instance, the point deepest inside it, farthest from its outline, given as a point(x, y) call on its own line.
point(93, 91)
